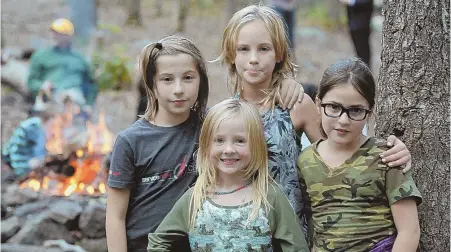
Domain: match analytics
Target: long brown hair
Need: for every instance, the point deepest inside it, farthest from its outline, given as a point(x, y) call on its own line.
point(172, 45)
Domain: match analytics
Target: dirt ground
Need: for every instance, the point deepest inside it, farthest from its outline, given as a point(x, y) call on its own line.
point(25, 24)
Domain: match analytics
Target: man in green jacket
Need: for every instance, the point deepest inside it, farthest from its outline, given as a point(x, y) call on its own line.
point(62, 68)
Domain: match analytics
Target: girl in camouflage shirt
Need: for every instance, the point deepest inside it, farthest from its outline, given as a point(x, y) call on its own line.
point(358, 203)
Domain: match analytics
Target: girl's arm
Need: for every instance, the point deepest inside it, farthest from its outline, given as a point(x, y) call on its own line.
point(398, 155)
point(120, 180)
point(290, 93)
point(116, 210)
point(305, 118)
point(287, 231)
point(172, 233)
point(405, 216)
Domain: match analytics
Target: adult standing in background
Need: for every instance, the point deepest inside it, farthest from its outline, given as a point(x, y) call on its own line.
point(287, 9)
point(359, 18)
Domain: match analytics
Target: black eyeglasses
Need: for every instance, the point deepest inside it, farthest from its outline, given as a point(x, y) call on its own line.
point(336, 110)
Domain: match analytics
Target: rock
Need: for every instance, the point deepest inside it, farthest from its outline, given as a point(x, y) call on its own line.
point(14, 74)
point(92, 220)
point(15, 196)
point(33, 208)
point(9, 228)
point(40, 228)
point(7, 212)
point(63, 211)
point(63, 245)
point(97, 245)
point(6, 247)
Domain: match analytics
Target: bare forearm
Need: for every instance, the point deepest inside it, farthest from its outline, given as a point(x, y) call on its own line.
point(406, 242)
point(116, 236)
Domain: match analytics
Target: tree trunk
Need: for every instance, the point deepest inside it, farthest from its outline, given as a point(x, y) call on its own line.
point(181, 15)
point(231, 8)
point(413, 103)
point(134, 13)
point(158, 8)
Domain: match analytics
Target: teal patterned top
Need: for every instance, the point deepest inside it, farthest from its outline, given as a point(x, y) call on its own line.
point(227, 228)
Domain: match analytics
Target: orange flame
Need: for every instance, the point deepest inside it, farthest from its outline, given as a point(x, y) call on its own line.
point(87, 161)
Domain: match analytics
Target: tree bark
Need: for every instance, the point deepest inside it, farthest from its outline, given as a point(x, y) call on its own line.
point(231, 8)
point(134, 13)
point(158, 8)
point(181, 15)
point(413, 103)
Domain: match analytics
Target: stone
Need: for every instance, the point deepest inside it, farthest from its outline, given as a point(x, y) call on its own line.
point(33, 208)
point(98, 245)
point(63, 245)
point(9, 228)
point(64, 211)
point(39, 228)
point(8, 247)
point(92, 220)
point(15, 196)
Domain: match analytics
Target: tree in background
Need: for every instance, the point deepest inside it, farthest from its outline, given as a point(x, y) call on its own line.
point(413, 103)
point(134, 13)
point(181, 15)
point(158, 8)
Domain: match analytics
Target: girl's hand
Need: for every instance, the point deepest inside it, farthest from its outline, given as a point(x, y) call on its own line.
point(290, 92)
point(397, 155)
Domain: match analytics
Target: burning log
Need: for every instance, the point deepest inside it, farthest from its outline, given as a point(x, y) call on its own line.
point(75, 163)
point(54, 165)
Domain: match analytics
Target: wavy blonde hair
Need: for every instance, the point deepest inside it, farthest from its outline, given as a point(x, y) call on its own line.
point(172, 45)
point(256, 171)
point(276, 28)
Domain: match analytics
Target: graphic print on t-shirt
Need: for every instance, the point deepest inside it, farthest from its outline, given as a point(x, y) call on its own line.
point(174, 174)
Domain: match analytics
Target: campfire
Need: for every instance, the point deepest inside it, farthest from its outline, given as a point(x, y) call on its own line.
point(76, 152)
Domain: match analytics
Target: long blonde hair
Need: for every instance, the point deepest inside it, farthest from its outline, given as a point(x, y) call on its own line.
point(172, 45)
point(276, 28)
point(257, 170)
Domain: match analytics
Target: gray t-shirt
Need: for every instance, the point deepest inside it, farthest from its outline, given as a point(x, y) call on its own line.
point(157, 164)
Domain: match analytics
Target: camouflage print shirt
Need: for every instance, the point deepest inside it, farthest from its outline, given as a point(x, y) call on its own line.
point(351, 203)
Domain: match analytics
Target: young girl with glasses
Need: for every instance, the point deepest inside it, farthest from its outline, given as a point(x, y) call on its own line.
point(358, 203)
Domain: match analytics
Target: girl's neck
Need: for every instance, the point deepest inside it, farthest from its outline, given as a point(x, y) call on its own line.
point(168, 120)
point(254, 93)
point(230, 182)
point(350, 147)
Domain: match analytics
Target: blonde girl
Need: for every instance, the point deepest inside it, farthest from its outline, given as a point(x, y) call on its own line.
point(234, 205)
point(255, 48)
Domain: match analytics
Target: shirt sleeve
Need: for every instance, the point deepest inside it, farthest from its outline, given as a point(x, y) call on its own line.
point(287, 232)
point(122, 168)
point(34, 81)
point(91, 87)
point(399, 186)
point(172, 233)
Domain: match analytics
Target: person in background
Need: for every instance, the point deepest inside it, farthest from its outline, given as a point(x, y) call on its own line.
point(359, 17)
point(25, 150)
point(61, 67)
point(287, 9)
